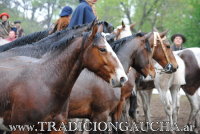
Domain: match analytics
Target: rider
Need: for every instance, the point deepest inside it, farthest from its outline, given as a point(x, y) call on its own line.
point(64, 19)
point(84, 13)
point(178, 40)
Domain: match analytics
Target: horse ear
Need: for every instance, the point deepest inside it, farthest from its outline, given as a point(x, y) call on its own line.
point(93, 23)
point(94, 31)
point(100, 28)
point(132, 26)
point(147, 36)
point(163, 33)
point(123, 25)
point(155, 29)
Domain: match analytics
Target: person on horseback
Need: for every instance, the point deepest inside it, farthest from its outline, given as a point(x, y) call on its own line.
point(178, 40)
point(84, 13)
point(64, 19)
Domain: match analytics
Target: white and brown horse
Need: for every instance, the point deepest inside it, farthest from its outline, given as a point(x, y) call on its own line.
point(187, 77)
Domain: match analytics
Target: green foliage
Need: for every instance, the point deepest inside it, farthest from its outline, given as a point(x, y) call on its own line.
point(28, 25)
point(110, 10)
point(180, 16)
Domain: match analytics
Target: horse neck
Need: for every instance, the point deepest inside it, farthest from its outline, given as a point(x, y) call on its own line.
point(64, 68)
point(40, 48)
point(127, 52)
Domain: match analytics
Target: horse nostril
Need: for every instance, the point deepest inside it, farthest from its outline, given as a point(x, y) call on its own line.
point(174, 70)
point(122, 80)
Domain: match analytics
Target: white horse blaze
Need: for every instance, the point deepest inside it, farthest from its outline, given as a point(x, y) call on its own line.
point(119, 71)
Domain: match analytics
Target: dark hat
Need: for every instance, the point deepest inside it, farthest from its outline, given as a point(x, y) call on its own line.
point(178, 35)
point(66, 11)
point(15, 22)
point(4, 14)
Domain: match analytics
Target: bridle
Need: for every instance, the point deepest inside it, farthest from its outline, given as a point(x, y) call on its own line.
point(169, 66)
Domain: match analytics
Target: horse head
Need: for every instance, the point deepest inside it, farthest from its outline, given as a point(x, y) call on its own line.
point(161, 51)
point(142, 61)
point(100, 58)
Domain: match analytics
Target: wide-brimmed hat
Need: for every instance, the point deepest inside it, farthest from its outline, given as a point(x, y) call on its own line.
point(66, 11)
point(178, 35)
point(4, 14)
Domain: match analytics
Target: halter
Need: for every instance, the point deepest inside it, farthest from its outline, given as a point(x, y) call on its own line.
point(158, 38)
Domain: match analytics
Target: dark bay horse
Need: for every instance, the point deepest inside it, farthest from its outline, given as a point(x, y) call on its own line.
point(159, 44)
point(42, 35)
point(27, 97)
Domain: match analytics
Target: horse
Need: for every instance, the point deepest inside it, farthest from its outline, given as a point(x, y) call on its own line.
point(158, 43)
point(123, 31)
point(164, 83)
point(43, 37)
point(27, 98)
point(186, 77)
point(157, 48)
point(94, 99)
point(92, 105)
point(191, 58)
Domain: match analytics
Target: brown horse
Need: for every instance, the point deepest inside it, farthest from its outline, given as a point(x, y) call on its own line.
point(93, 98)
point(160, 46)
point(39, 91)
point(162, 53)
point(98, 100)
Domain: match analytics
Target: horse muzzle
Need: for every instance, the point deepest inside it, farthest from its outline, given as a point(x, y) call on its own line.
point(169, 69)
point(119, 82)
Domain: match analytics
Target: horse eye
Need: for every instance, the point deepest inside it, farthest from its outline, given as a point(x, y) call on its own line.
point(168, 46)
point(103, 50)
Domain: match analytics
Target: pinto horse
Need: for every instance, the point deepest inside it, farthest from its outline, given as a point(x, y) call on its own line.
point(191, 58)
point(187, 77)
point(27, 98)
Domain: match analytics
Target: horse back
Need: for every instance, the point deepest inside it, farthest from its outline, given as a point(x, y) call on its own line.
point(192, 71)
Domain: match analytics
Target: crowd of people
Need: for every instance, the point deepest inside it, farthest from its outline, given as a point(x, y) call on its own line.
point(84, 13)
point(9, 31)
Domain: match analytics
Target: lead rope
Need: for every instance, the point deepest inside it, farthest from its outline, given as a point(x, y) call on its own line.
point(164, 49)
point(157, 37)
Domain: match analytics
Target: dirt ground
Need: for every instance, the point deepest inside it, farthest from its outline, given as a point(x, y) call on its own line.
point(158, 113)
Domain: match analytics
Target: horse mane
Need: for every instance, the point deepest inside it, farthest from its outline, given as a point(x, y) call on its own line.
point(64, 43)
point(116, 45)
point(33, 38)
point(28, 39)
